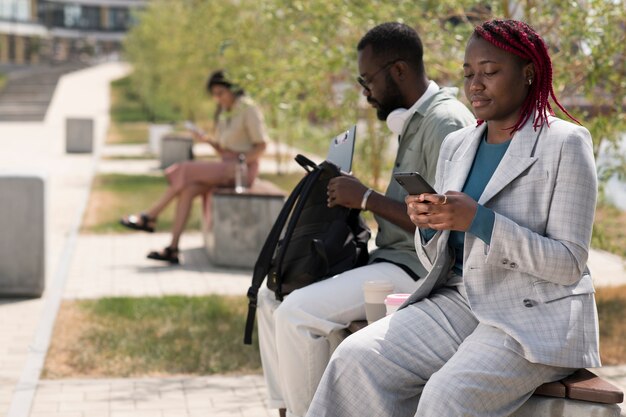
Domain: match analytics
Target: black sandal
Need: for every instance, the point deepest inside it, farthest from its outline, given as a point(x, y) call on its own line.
point(168, 254)
point(141, 222)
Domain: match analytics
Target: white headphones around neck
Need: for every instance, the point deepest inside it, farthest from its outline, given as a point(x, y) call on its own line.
point(397, 119)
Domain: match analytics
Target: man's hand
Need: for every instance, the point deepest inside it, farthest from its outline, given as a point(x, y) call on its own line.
point(346, 191)
point(452, 211)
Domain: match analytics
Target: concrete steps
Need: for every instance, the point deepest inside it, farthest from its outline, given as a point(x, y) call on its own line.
point(28, 91)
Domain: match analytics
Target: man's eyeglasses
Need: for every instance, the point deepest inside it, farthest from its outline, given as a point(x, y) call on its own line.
point(365, 83)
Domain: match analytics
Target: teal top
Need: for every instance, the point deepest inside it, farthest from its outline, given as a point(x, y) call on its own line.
point(487, 159)
point(418, 150)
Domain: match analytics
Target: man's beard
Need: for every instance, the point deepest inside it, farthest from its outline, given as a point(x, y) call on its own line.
point(391, 100)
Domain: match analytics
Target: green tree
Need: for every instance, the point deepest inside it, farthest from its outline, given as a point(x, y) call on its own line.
point(298, 59)
point(586, 41)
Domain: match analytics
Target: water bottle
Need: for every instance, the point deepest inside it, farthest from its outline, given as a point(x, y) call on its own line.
point(241, 174)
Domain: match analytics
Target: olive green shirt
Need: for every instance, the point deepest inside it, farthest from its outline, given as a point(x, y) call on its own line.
point(418, 150)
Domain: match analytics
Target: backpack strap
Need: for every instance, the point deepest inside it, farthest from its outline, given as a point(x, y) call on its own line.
point(265, 258)
point(305, 162)
point(311, 180)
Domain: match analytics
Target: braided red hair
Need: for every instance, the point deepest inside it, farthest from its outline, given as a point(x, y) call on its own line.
point(520, 39)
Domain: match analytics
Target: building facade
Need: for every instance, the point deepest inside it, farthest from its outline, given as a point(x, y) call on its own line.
point(33, 31)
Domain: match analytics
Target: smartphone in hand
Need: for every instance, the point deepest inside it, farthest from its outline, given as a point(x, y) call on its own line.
point(414, 183)
point(192, 127)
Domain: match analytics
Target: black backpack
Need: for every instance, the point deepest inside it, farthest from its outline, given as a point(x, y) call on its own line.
point(319, 242)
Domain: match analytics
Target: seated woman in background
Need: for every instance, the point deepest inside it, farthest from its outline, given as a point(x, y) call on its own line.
point(508, 303)
point(239, 133)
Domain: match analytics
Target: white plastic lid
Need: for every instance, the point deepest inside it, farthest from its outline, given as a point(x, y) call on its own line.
point(396, 299)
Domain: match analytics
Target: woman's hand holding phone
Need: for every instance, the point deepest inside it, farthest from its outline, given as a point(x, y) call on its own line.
point(199, 134)
point(428, 210)
point(453, 210)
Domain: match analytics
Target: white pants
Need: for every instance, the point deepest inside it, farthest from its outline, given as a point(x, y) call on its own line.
point(294, 334)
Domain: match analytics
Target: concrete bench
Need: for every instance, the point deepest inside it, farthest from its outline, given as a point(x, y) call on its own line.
point(22, 241)
point(582, 394)
point(79, 135)
point(155, 135)
point(175, 148)
point(235, 226)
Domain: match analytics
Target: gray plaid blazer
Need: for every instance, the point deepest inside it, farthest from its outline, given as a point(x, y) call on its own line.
point(531, 281)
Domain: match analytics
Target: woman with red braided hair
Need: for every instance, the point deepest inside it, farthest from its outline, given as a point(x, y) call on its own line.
point(508, 302)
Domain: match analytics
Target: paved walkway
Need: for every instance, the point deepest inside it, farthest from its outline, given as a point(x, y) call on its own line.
point(124, 271)
point(40, 147)
point(91, 266)
point(116, 265)
point(217, 396)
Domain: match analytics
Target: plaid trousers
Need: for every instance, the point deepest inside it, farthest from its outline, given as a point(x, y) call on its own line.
point(432, 358)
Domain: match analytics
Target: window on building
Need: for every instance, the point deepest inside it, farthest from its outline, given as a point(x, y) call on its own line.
point(15, 10)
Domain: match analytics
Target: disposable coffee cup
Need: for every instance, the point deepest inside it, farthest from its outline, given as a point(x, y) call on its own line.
point(394, 301)
point(375, 293)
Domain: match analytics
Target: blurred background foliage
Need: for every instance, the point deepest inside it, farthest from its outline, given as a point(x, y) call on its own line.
point(298, 60)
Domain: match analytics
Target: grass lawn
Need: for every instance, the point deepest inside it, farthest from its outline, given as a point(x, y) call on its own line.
point(115, 195)
point(609, 230)
point(127, 133)
point(612, 311)
point(124, 337)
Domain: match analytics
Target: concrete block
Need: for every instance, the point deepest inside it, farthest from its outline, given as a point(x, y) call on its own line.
point(538, 406)
point(155, 134)
point(79, 135)
point(22, 241)
point(240, 224)
point(175, 149)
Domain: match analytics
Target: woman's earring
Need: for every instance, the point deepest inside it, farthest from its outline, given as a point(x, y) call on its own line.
point(530, 81)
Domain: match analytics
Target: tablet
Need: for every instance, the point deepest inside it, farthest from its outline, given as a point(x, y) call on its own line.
point(341, 149)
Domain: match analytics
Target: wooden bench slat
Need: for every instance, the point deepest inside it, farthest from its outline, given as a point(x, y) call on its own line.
point(586, 386)
point(552, 389)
